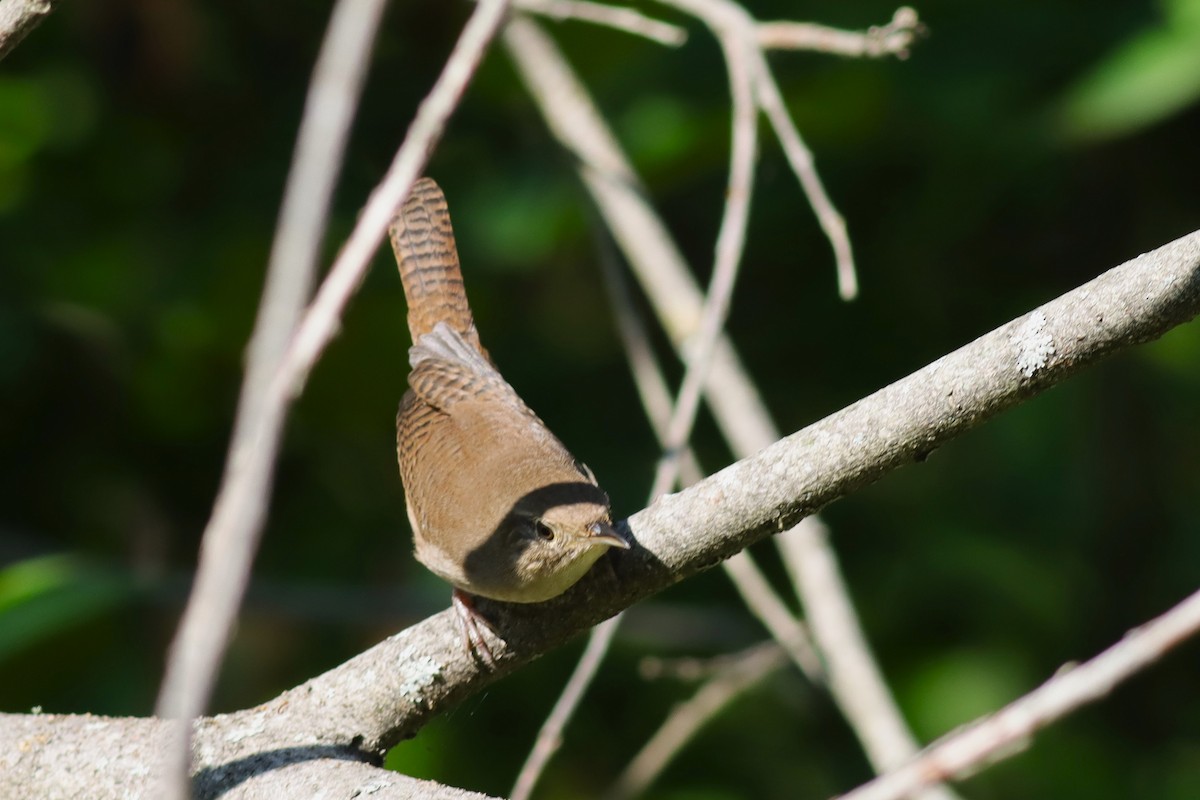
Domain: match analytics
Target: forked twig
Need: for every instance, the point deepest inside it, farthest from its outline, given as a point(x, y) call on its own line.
point(892, 39)
point(739, 674)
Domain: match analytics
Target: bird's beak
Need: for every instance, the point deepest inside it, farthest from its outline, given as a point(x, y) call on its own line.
point(603, 533)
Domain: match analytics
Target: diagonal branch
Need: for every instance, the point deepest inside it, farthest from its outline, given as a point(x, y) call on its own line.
point(1007, 732)
point(386, 694)
point(232, 534)
point(419, 671)
point(739, 674)
point(684, 533)
point(231, 538)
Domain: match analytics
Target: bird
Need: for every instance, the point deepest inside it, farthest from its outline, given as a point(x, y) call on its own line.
point(499, 508)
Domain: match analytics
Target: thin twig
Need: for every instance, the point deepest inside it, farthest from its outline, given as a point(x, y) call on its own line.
point(855, 680)
point(731, 243)
point(687, 718)
point(731, 21)
point(618, 17)
point(801, 161)
point(321, 322)
point(1009, 730)
point(232, 534)
point(233, 531)
point(648, 377)
point(18, 18)
point(892, 39)
point(652, 389)
point(549, 737)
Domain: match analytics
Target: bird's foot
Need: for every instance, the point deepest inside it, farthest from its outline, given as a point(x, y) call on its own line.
point(471, 620)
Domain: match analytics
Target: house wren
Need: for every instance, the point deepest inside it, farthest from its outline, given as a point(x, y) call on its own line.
point(498, 506)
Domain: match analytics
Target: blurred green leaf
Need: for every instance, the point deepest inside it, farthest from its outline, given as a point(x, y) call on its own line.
point(1155, 74)
point(519, 224)
point(42, 596)
point(659, 130)
point(24, 119)
point(13, 184)
point(958, 686)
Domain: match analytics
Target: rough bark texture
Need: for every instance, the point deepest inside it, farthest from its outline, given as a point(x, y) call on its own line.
point(18, 18)
point(327, 734)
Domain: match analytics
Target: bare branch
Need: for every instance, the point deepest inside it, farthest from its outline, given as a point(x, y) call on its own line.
point(1009, 730)
point(68, 757)
point(731, 243)
point(893, 39)
point(731, 22)
point(231, 537)
point(618, 17)
point(801, 161)
point(549, 736)
point(18, 18)
point(687, 718)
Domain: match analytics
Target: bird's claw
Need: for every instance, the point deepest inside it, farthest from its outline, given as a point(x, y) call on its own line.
point(471, 620)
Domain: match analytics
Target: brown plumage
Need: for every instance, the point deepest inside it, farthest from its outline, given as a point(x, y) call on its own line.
point(498, 506)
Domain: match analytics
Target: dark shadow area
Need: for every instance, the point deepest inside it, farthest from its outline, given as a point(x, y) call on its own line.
point(212, 783)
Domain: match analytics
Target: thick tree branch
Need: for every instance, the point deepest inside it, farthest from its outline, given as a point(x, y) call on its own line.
point(53, 757)
point(388, 693)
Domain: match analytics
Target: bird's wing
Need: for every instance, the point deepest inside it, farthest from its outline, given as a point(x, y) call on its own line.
point(446, 371)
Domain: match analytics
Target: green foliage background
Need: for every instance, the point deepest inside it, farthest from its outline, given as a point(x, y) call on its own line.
point(1023, 149)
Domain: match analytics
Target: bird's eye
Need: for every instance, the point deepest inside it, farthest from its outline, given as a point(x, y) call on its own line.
point(543, 531)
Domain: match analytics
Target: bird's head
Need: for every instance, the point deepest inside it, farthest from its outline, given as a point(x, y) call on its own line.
point(550, 538)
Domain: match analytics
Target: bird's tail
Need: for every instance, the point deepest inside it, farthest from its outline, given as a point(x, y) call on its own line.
point(428, 261)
